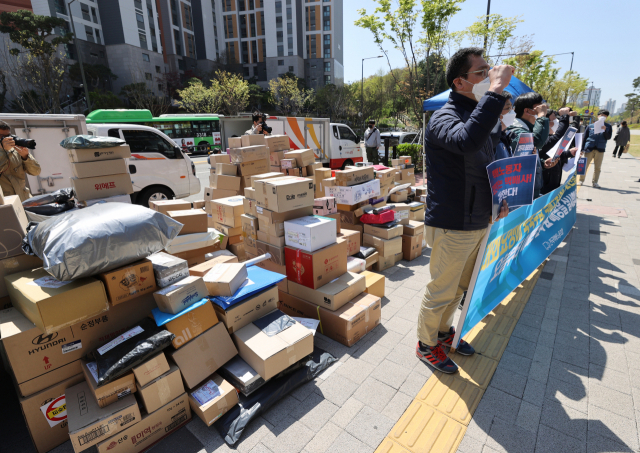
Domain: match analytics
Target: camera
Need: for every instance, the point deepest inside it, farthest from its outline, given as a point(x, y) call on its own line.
point(265, 128)
point(24, 142)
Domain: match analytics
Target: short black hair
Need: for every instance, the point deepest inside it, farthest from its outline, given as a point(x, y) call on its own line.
point(4, 126)
point(624, 123)
point(459, 63)
point(551, 112)
point(507, 95)
point(603, 112)
point(526, 101)
point(372, 122)
point(257, 116)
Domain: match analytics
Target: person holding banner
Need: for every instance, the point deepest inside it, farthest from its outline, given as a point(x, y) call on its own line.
point(595, 143)
point(552, 177)
point(458, 148)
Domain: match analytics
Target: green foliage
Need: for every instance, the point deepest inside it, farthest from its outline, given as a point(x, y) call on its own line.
point(34, 33)
point(498, 33)
point(196, 98)
point(233, 91)
point(94, 73)
point(287, 96)
point(104, 100)
point(411, 149)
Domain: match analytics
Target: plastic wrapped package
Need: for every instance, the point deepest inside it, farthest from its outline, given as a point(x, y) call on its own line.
point(240, 374)
point(365, 252)
point(232, 424)
point(131, 348)
point(50, 204)
point(90, 142)
point(188, 242)
point(373, 219)
point(356, 265)
point(100, 238)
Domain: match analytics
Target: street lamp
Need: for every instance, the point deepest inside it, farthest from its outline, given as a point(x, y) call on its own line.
point(362, 90)
point(75, 41)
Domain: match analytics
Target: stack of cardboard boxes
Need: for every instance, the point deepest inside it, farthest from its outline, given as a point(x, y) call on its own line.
point(100, 173)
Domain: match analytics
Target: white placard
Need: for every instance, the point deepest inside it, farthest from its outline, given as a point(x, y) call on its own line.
point(120, 339)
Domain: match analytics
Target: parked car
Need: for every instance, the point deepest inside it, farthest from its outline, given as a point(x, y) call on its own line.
point(404, 137)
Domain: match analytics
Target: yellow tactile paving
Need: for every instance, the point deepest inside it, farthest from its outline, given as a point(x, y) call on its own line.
point(389, 446)
point(487, 343)
point(452, 395)
point(501, 325)
point(477, 368)
point(512, 309)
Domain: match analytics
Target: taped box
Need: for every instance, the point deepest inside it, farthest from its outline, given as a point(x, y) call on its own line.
point(310, 233)
point(248, 310)
point(181, 294)
point(99, 168)
point(354, 175)
point(325, 206)
point(224, 279)
point(14, 265)
point(269, 175)
point(352, 195)
point(383, 233)
point(102, 186)
point(253, 140)
point(164, 206)
point(110, 392)
point(248, 153)
point(223, 182)
point(334, 294)
point(151, 369)
point(387, 262)
point(353, 240)
point(227, 211)
point(272, 222)
point(189, 323)
point(385, 247)
point(254, 167)
point(284, 194)
point(303, 157)
point(315, 269)
point(375, 283)
point(225, 169)
point(213, 399)
point(90, 155)
point(216, 194)
point(220, 158)
point(161, 390)
point(413, 228)
point(192, 220)
point(221, 256)
point(277, 143)
point(411, 247)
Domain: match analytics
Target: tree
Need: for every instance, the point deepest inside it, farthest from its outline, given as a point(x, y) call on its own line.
point(536, 71)
point(196, 98)
point(498, 32)
point(104, 100)
point(94, 73)
point(35, 63)
point(233, 91)
point(139, 96)
point(287, 96)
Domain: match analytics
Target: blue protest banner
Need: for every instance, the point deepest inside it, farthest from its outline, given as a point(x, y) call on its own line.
point(512, 179)
point(513, 248)
point(525, 145)
point(581, 168)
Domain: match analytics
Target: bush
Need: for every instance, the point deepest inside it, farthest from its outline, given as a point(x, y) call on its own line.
point(413, 150)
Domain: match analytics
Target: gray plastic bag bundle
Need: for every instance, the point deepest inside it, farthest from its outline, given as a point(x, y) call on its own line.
point(90, 142)
point(98, 239)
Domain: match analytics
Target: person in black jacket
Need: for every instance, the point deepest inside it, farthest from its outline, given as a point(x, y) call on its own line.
point(552, 176)
point(458, 149)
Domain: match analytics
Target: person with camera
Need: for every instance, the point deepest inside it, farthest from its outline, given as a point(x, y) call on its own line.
point(15, 163)
point(259, 125)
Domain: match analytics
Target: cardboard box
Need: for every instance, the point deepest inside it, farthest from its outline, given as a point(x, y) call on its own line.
point(347, 325)
point(151, 429)
point(168, 269)
point(269, 355)
point(53, 305)
point(269, 175)
point(249, 229)
point(90, 424)
point(191, 322)
point(353, 240)
point(219, 159)
point(385, 247)
point(413, 228)
point(310, 233)
point(277, 241)
point(211, 194)
point(383, 233)
point(254, 167)
point(334, 294)
point(101, 154)
point(253, 140)
point(371, 260)
point(411, 247)
point(284, 194)
point(272, 222)
point(402, 212)
point(129, 282)
point(325, 206)
point(275, 159)
point(204, 355)
point(303, 157)
point(45, 414)
point(100, 168)
point(420, 191)
point(151, 369)
point(222, 256)
point(354, 194)
point(223, 182)
point(14, 265)
point(164, 206)
point(375, 284)
point(297, 171)
point(277, 253)
point(277, 143)
point(226, 169)
point(161, 390)
point(110, 392)
point(406, 159)
point(249, 193)
point(286, 164)
point(14, 227)
point(224, 279)
point(193, 220)
point(311, 169)
point(238, 250)
point(385, 262)
point(249, 205)
point(353, 176)
point(227, 211)
point(315, 269)
point(213, 399)
point(248, 153)
point(229, 231)
point(181, 294)
point(399, 197)
point(198, 256)
point(417, 214)
point(248, 310)
point(386, 176)
point(102, 186)
point(347, 226)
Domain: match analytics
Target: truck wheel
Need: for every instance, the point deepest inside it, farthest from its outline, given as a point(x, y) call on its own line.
point(155, 193)
point(346, 164)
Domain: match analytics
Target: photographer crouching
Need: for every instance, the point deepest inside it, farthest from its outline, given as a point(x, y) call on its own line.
point(259, 125)
point(15, 163)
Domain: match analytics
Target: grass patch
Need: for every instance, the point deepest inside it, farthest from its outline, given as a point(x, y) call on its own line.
point(634, 149)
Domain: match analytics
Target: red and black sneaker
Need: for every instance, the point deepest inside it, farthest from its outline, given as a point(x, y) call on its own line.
point(436, 358)
point(446, 339)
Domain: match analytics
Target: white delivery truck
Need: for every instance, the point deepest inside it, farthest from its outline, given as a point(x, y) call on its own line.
point(334, 144)
point(159, 169)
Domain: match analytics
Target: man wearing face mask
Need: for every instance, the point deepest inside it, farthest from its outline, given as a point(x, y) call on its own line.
point(458, 148)
point(594, 146)
point(558, 125)
point(531, 117)
point(500, 139)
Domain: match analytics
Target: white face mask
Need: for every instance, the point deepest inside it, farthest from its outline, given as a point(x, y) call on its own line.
point(509, 118)
point(554, 125)
point(479, 89)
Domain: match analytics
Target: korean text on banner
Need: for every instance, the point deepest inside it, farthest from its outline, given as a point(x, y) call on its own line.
point(581, 168)
point(525, 145)
point(512, 179)
point(513, 248)
point(563, 144)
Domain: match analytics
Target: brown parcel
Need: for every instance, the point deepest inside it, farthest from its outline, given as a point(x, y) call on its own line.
point(227, 211)
point(411, 247)
point(102, 186)
point(346, 325)
point(222, 182)
point(216, 194)
point(269, 355)
point(265, 237)
point(272, 223)
point(151, 429)
point(224, 279)
point(249, 229)
point(375, 283)
point(353, 240)
point(230, 231)
point(249, 204)
point(193, 220)
point(225, 169)
point(277, 253)
point(413, 228)
point(102, 154)
point(164, 206)
point(99, 168)
point(222, 256)
point(269, 175)
point(14, 265)
point(211, 410)
point(275, 159)
point(191, 324)
point(161, 390)
point(53, 305)
point(385, 247)
point(277, 143)
point(385, 262)
point(254, 167)
point(90, 424)
point(284, 194)
point(239, 315)
point(320, 267)
point(129, 282)
point(110, 392)
point(49, 430)
point(334, 294)
point(353, 176)
point(252, 140)
point(14, 224)
point(402, 213)
point(181, 294)
point(151, 369)
point(204, 355)
point(248, 153)
point(303, 157)
point(372, 259)
point(238, 250)
point(383, 233)
point(219, 159)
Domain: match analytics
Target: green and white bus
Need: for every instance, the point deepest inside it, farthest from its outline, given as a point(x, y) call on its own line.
point(194, 133)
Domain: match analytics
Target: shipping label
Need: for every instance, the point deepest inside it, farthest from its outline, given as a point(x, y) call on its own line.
point(120, 339)
point(206, 393)
point(74, 345)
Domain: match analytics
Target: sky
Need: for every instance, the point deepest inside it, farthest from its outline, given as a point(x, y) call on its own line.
point(600, 33)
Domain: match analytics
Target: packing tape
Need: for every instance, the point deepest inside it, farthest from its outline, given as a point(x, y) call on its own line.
point(366, 315)
point(292, 360)
point(320, 320)
point(164, 392)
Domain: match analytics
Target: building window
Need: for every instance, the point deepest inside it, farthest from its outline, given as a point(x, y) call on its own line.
point(94, 55)
point(176, 37)
point(98, 39)
point(290, 45)
point(313, 53)
point(140, 19)
point(148, 76)
point(253, 25)
point(327, 79)
point(102, 54)
point(137, 4)
point(264, 49)
point(154, 43)
point(157, 69)
point(191, 45)
point(278, 7)
point(89, 32)
point(226, 5)
point(281, 51)
point(243, 26)
point(143, 40)
point(64, 29)
point(245, 52)
point(241, 5)
point(279, 36)
point(251, 5)
point(85, 12)
point(94, 15)
point(289, 14)
point(327, 66)
point(262, 23)
point(289, 28)
point(182, 65)
point(246, 71)
point(60, 6)
point(160, 88)
point(188, 20)
point(145, 57)
point(290, 68)
point(327, 46)
point(174, 13)
point(228, 26)
point(278, 21)
point(254, 51)
point(280, 62)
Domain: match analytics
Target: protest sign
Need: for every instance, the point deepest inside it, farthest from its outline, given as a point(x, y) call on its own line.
point(572, 162)
point(512, 179)
point(581, 168)
point(513, 248)
point(563, 144)
point(525, 145)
